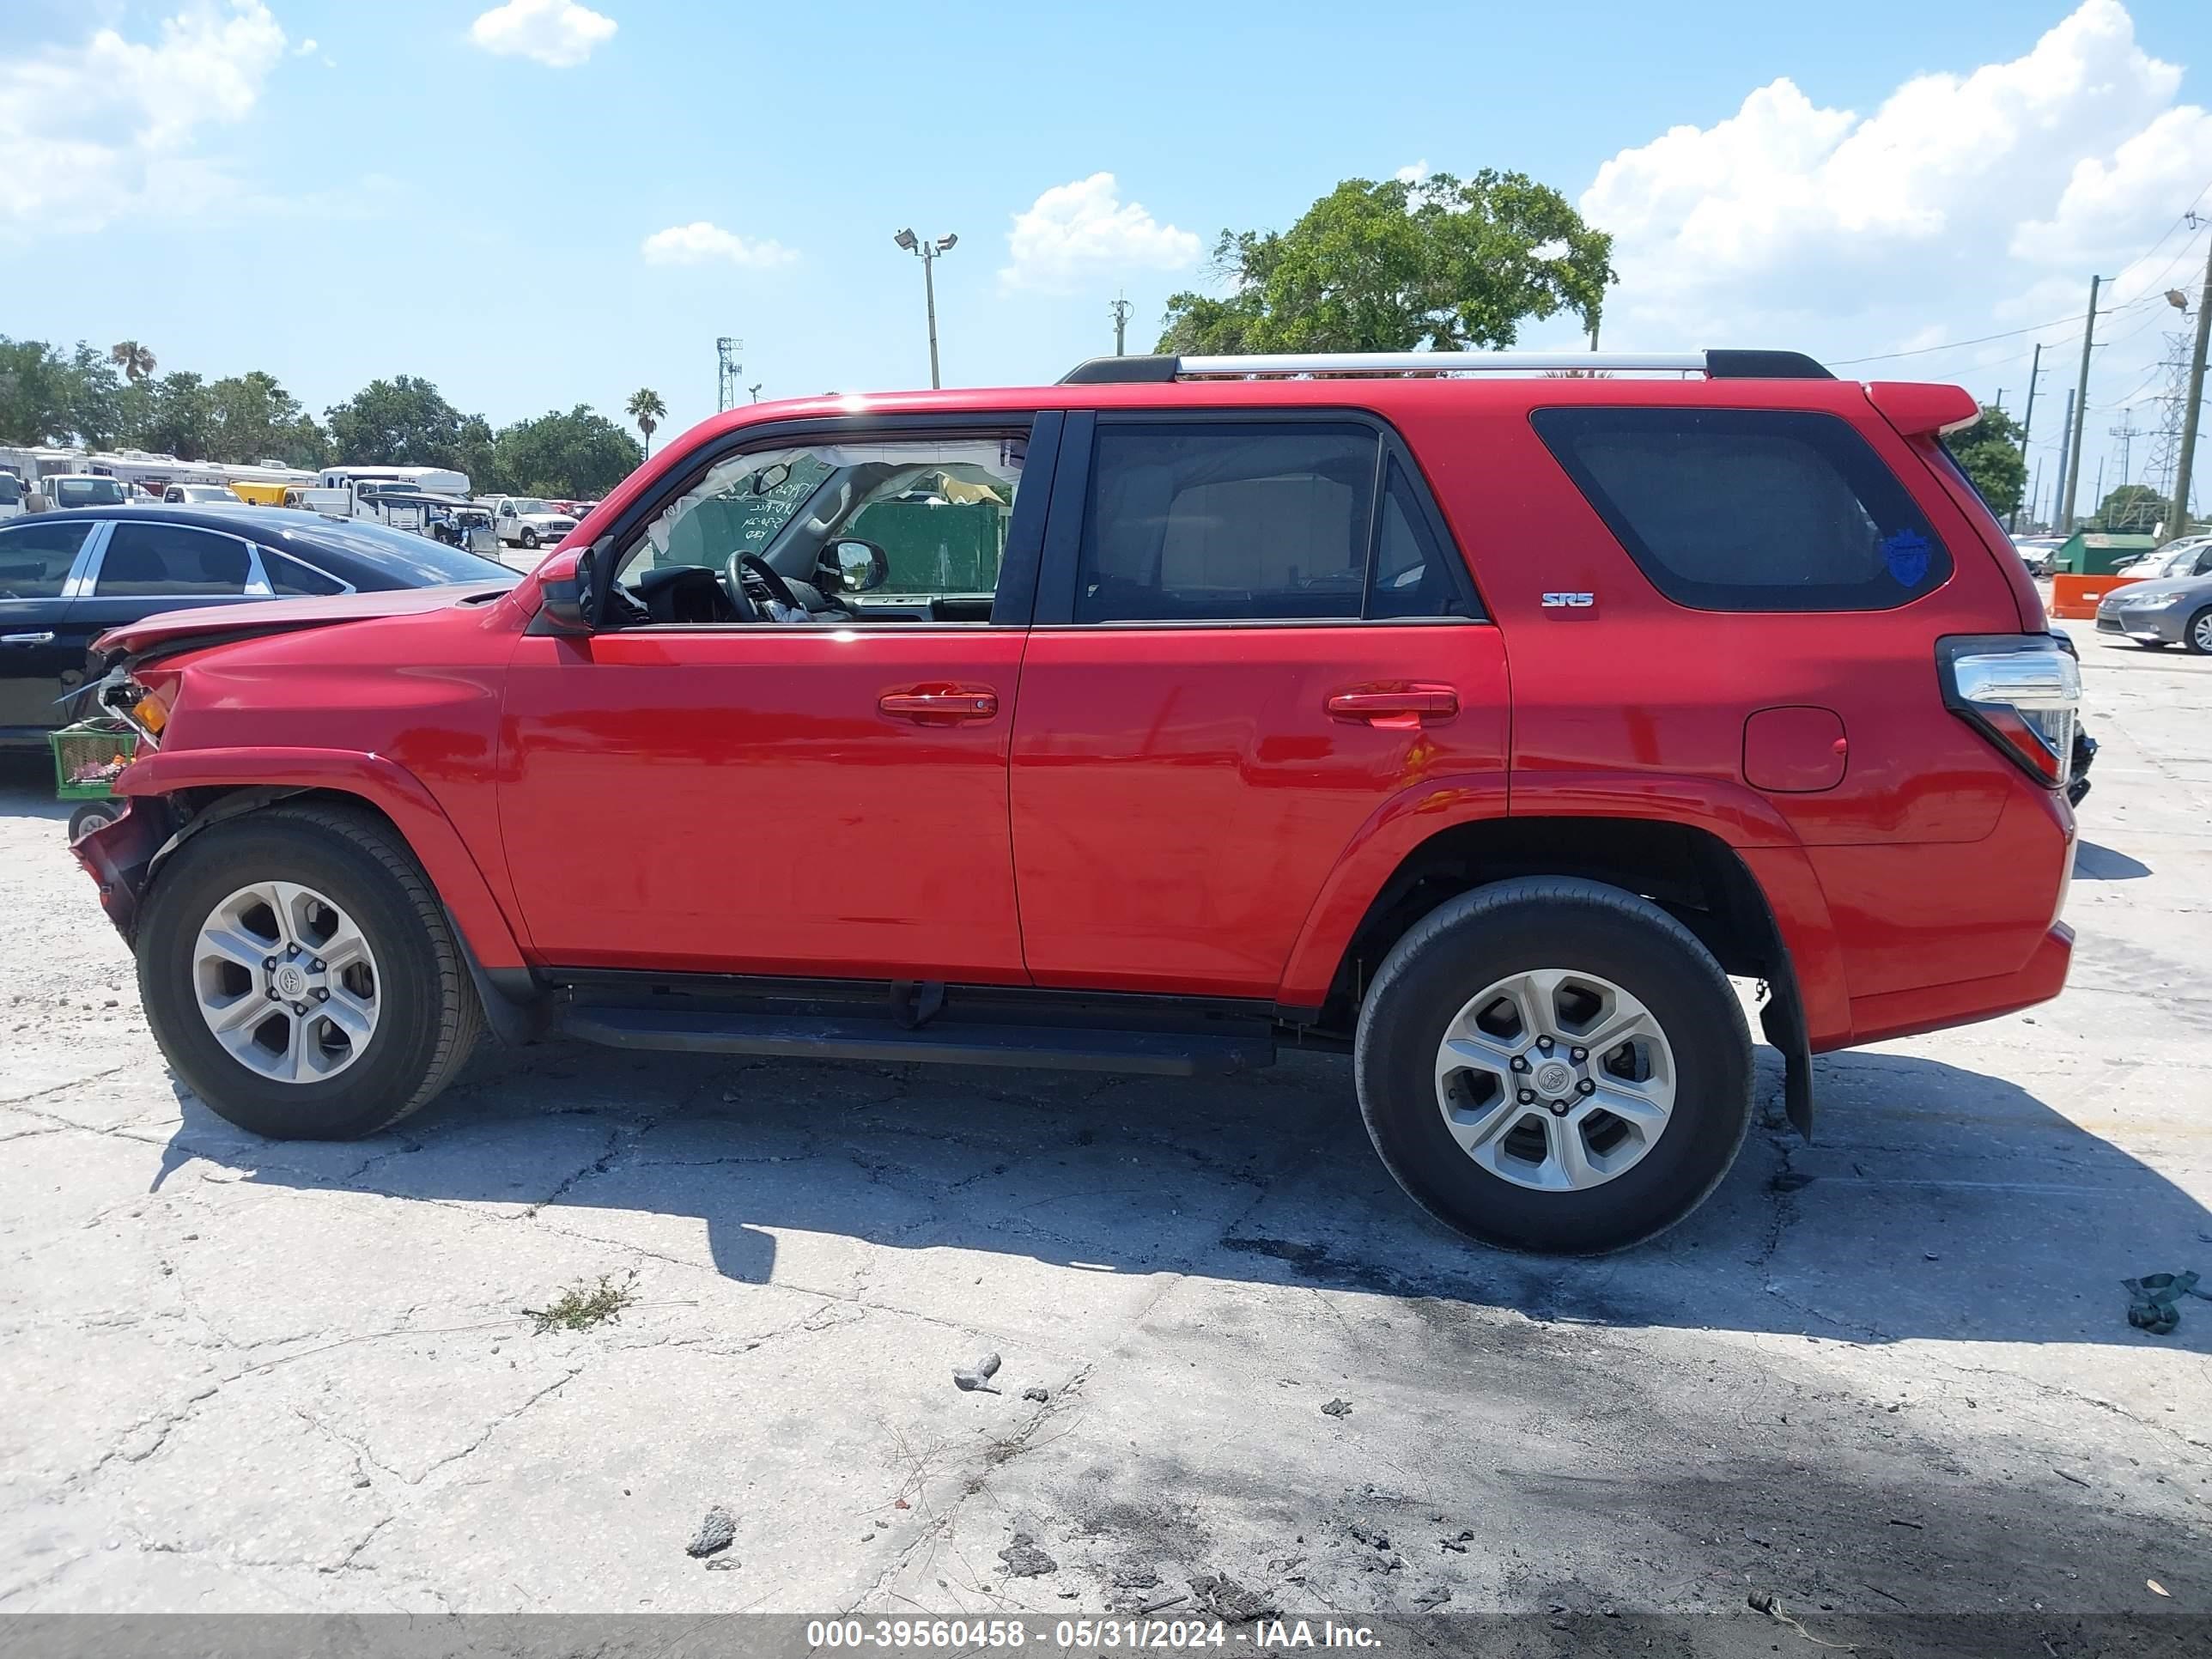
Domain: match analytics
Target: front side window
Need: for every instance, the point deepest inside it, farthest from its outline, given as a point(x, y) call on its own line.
point(35, 558)
point(1728, 510)
point(898, 529)
point(156, 560)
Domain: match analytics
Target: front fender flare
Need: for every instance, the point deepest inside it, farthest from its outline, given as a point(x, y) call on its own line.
point(381, 783)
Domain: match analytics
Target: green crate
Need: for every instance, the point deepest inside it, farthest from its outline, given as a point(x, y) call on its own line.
point(86, 746)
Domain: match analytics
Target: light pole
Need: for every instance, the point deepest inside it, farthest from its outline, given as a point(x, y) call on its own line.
point(929, 252)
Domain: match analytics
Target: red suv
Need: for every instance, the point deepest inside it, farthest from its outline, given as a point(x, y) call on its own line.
point(1481, 725)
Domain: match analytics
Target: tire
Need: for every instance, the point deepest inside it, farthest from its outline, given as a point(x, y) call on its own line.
point(91, 816)
point(408, 969)
point(1525, 927)
point(530, 541)
point(2197, 634)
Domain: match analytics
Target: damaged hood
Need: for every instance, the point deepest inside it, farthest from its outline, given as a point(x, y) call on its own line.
point(172, 630)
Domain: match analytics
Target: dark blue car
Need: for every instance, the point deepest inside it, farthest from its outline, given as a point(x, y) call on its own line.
point(66, 577)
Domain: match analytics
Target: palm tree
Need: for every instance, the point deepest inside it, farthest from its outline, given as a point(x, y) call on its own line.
point(648, 411)
point(136, 361)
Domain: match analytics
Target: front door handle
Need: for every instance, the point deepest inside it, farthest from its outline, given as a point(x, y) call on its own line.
point(940, 705)
point(1395, 707)
point(26, 639)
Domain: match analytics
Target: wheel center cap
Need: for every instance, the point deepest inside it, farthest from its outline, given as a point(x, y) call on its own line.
point(1554, 1077)
point(292, 981)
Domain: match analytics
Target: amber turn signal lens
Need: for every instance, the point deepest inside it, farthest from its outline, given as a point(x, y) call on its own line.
point(150, 714)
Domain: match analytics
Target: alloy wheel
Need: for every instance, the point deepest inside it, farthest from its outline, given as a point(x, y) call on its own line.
point(286, 982)
point(1555, 1079)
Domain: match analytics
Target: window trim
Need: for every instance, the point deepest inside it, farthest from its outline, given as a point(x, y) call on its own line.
point(1019, 562)
point(1697, 596)
point(1055, 606)
point(256, 579)
point(263, 553)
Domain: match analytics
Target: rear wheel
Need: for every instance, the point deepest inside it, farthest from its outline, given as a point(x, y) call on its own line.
point(92, 815)
point(1551, 1064)
point(2196, 637)
point(301, 975)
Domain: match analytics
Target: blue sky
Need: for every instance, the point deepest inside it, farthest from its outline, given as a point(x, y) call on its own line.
point(335, 192)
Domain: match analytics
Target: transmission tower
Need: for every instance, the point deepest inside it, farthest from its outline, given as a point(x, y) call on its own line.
point(2127, 432)
point(729, 373)
point(2165, 437)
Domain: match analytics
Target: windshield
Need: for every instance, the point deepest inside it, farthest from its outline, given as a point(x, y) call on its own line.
point(208, 493)
point(2181, 559)
point(86, 492)
point(528, 504)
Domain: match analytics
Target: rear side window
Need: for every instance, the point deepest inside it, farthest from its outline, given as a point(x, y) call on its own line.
point(1234, 522)
point(35, 558)
point(154, 561)
point(1750, 509)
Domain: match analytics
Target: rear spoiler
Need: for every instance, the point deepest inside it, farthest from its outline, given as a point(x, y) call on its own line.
point(1920, 410)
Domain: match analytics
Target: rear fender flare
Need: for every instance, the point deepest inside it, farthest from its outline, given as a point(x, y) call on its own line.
point(1737, 817)
point(273, 774)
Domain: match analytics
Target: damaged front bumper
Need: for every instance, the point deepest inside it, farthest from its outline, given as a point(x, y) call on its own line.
point(119, 855)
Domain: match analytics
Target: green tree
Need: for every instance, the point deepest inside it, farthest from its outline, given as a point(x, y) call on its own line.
point(401, 422)
point(1446, 264)
point(49, 399)
point(1988, 453)
point(176, 418)
point(647, 412)
point(580, 453)
point(2132, 507)
point(256, 419)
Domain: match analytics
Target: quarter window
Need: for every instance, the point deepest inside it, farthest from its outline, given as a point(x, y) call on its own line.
point(289, 576)
point(35, 559)
point(1750, 509)
point(152, 561)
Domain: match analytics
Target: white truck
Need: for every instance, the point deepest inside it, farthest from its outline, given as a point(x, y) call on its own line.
point(527, 522)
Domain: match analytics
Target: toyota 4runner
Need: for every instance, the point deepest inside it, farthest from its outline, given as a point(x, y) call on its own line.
point(1479, 723)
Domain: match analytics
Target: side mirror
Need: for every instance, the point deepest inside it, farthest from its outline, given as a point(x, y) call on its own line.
point(571, 603)
point(862, 566)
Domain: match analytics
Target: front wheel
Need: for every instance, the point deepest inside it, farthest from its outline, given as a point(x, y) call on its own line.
point(530, 540)
point(301, 975)
point(1551, 1064)
point(2196, 637)
point(92, 815)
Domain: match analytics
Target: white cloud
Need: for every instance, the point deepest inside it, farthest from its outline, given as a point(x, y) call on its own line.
point(559, 33)
point(1966, 204)
point(1084, 229)
point(1952, 200)
point(306, 48)
point(1412, 174)
point(91, 132)
point(700, 241)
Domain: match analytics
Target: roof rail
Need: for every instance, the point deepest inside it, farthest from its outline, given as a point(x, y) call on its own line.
point(1719, 364)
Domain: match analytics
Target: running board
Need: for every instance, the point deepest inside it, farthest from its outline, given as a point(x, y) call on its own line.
point(948, 1043)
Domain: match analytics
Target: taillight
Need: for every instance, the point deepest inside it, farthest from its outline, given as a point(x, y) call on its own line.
point(2020, 691)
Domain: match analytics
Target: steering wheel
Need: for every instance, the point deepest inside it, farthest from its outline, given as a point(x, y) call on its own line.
point(734, 580)
point(778, 589)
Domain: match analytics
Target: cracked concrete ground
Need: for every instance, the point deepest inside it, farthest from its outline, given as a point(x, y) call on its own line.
point(1887, 1371)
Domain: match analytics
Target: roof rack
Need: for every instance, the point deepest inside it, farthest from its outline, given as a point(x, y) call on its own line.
point(1715, 365)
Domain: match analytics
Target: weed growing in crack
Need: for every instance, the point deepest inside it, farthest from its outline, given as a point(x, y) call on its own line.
point(582, 1306)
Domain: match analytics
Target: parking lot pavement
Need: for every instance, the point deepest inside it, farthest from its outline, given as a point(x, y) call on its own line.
point(1888, 1370)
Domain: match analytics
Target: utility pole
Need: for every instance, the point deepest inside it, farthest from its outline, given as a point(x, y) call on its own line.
point(2034, 494)
point(1120, 308)
point(2026, 426)
point(2058, 484)
point(2178, 524)
point(1999, 404)
point(2078, 421)
point(2099, 497)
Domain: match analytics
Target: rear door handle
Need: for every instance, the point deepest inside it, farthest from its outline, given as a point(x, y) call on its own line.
point(26, 639)
point(1395, 709)
point(940, 705)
